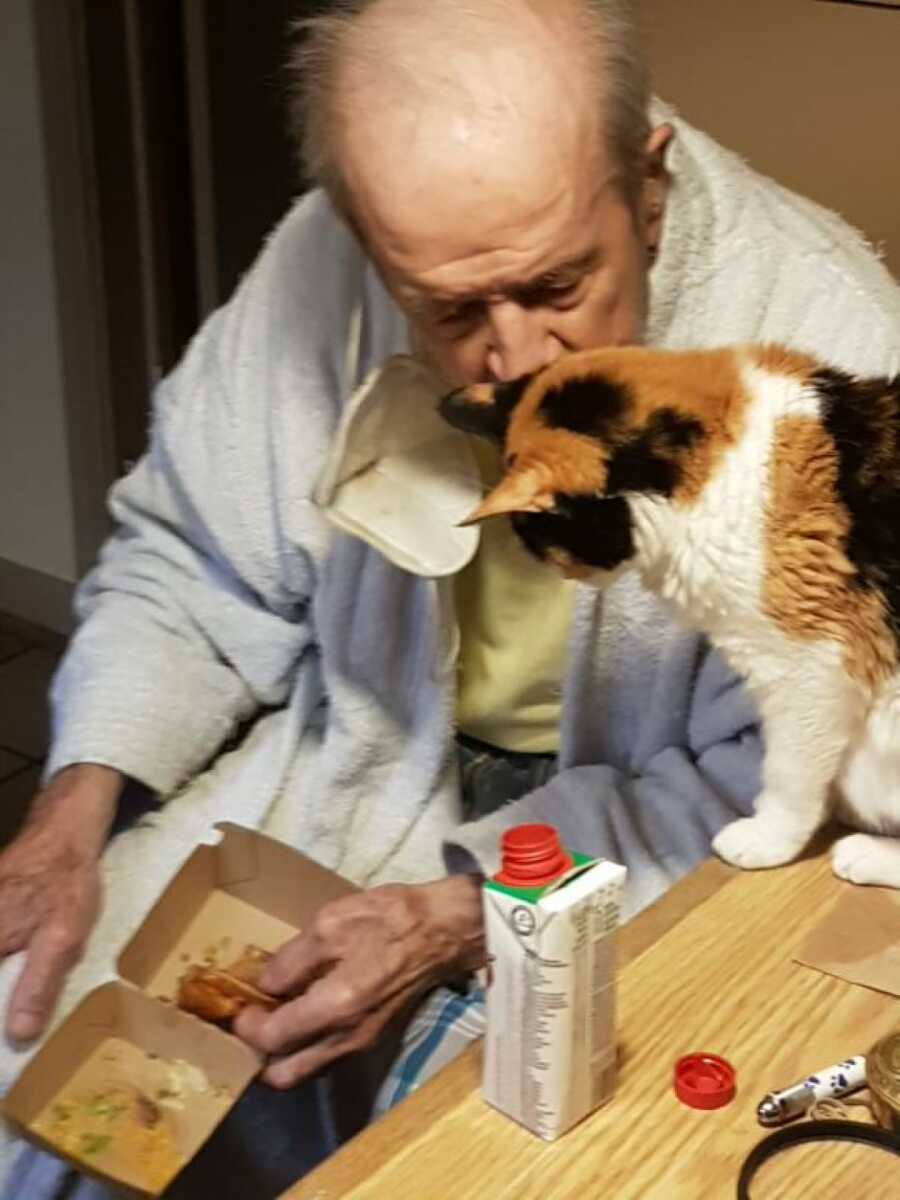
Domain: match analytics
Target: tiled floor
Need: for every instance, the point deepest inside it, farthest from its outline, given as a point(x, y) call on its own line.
point(28, 658)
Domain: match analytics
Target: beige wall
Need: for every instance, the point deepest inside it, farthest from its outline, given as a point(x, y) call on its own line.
point(808, 92)
point(36, 517)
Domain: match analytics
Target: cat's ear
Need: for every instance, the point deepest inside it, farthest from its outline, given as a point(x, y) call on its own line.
point(518, 492)
point(484, 408)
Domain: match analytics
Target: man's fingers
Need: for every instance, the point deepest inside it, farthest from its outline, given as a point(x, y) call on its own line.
point(12, 940)
point(295, 965)
point(287, 1072)
point(21, 909)
point(248, 1024)
point(53, 952)
point(336, 1001)
point(325, 1006)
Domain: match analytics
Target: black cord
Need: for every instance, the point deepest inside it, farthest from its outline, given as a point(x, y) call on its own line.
point(812, 1131)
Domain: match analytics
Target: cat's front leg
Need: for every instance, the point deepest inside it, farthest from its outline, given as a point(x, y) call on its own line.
point(808, 720)
point(770, 838)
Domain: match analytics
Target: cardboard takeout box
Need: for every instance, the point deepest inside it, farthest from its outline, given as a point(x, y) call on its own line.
point(128, 1054)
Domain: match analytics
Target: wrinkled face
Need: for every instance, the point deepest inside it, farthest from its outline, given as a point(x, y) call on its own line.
point(578, 438)
point(512, 299)
point(497, 219)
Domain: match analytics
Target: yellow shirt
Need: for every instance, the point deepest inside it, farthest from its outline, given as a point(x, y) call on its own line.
point(514, 616)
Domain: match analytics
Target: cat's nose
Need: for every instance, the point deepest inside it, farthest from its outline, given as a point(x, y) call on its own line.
point(453, 406)
point(466, 408)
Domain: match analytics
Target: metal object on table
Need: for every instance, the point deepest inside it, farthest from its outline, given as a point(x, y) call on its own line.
point(883, 1078)
point(842, 1079)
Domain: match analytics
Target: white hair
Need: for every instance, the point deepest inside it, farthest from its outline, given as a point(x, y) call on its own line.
point(605, 28)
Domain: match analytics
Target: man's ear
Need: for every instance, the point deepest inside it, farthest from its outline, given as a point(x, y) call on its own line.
point(655, 189)
point(483, 408)
point(519, 491)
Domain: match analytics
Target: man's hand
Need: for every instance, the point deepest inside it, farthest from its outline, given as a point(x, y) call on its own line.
point(50, 888)
point(364, 958)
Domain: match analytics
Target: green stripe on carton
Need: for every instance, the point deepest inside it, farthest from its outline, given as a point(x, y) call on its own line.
point(533, 894)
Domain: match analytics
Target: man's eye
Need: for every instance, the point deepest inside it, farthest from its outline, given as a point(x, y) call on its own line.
point(461, 317)
point(563, 289)
point(555, 295)
point(459, 323)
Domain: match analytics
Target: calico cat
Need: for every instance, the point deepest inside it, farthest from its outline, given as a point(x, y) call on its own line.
point(759, 491)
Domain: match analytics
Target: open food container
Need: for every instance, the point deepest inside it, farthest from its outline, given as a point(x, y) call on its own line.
point(129, 1087)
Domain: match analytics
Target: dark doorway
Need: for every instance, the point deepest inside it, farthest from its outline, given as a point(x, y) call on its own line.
point(192, 166)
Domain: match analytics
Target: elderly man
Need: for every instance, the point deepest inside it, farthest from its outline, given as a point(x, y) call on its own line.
point(495, 193)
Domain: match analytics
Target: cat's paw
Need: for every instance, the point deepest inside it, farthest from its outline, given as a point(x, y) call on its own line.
point(761, 841)
point(862, 858)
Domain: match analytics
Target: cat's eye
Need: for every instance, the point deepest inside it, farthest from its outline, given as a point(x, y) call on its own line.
point(510, 461)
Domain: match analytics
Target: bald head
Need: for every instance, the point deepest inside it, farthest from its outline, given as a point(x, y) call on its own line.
point(496, 167)
point(494, 113)
point(491, 66)
point(476, 59)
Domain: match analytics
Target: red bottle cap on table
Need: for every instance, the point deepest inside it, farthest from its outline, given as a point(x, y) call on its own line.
point(704, 1081)
point(531, 857)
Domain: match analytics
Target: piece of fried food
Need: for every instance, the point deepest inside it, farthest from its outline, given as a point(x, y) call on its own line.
point(219, 993)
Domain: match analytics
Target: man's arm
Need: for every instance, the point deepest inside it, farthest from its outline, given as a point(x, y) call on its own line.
point(368, 955)
point(364, 958)
point(176, 647)
point(180, 639)
point(197, 613)
point(50, 887)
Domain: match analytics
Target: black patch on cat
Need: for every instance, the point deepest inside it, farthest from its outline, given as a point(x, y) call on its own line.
point(485, 420)
point(591, 405)
point(649, 462)
point(595, 530)
point(863, 418)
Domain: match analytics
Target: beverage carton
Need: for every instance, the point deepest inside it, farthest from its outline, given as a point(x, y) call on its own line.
point(550, 920)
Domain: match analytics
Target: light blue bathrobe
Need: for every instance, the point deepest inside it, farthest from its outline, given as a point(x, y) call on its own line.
point(225, 595)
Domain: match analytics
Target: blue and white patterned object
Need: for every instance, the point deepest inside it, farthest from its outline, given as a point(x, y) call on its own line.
point(839, 1080)
point(444, 1025)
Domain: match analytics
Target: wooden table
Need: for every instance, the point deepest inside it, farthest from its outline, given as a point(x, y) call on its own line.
point(707, 968)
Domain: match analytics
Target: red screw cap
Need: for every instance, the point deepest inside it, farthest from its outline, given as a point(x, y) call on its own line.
point(704, 1081)
point(531, 857)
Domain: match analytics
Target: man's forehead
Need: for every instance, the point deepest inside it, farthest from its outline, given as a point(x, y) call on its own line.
point(558, 246)
point(437, 181)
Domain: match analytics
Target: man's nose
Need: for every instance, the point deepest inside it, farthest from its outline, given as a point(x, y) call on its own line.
point(520, 342)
